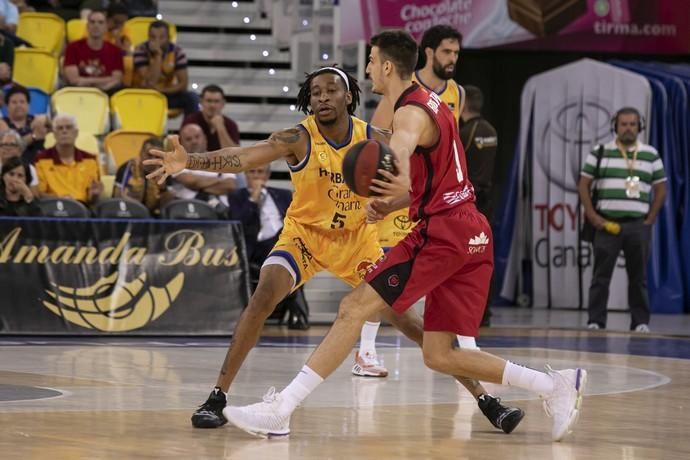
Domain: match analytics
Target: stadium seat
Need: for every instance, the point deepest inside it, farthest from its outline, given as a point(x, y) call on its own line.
point(63, 207)
point(76, 30)
point(45, 31)
point(35, 68)
point(121, 208)
point(143, 110)
point(89, 105)
point(138, 28)
point(124, 145)
point(108, 181)
point(85, 141)
point(39, 105)
point(188, 210)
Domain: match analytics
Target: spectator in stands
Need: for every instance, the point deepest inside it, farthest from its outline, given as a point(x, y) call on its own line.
point(261, 210)
point(9, 16)
point(12, 146)
point(16, 198)
point(131, 182)
point(66, 171)
point(33, 129)
point(117, 33)
point(220, 130)
point(202, 185)
point(162, 65)
point(92, 61)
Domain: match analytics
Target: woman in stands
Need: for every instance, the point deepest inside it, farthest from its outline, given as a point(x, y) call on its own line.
point(16, 198)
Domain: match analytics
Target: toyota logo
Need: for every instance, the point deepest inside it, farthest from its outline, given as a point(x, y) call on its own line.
point(568, 136)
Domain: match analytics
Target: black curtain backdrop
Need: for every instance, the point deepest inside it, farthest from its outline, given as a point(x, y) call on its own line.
point(501, 75)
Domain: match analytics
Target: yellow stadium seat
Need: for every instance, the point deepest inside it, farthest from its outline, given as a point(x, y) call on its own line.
point(143, 110)
point(89, 105)
point(138, 28)
point(45, 31)
point(124, 145)
point(108, 182)
point(35, 68)
point(76, 30)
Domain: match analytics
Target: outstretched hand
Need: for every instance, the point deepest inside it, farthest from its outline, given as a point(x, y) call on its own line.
point(168, 163)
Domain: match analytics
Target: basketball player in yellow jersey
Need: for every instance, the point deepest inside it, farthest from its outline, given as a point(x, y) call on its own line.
point(324, 228)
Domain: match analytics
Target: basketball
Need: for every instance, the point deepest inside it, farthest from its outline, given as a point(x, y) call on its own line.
point(361, 163)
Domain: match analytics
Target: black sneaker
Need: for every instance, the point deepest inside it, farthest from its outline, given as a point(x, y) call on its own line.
point(502, 417)
point(210, 413)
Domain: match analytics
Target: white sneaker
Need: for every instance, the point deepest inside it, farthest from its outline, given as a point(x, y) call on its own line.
point(566, 400)
point(261, 419)
point(593, 326)
point(642, 328)
point(367, 365)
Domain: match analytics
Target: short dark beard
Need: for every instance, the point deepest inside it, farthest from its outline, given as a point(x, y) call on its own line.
point(440, 71)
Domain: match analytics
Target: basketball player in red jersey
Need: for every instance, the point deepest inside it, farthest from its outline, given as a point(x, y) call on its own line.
point(448, 257)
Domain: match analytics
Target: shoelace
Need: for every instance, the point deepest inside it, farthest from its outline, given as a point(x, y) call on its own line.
point(270, 395)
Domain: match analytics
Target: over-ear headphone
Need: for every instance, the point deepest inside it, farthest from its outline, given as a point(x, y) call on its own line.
point(641, 123)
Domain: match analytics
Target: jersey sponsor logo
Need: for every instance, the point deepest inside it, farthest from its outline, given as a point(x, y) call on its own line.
point(336, 178)
point(304, 252)
point(402, 222)
point(394, 281)
point(323, 157)
point(478, 244)
point(433, 102)
point(457, 196)
point(363, 267)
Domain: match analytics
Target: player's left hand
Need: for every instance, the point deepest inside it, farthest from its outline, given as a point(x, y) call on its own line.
point(392, 185)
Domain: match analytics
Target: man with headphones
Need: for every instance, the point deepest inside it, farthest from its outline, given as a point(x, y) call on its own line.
point(627, 176)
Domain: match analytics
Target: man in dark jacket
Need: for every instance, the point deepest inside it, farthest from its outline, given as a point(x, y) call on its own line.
point(261, 210)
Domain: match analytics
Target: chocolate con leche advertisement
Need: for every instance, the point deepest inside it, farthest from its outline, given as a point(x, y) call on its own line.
point(99, 276)
point(639, 26)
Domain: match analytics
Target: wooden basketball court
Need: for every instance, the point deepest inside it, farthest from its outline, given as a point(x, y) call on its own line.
point(108, 398)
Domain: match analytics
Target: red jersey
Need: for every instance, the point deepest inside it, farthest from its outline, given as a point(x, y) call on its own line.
point(93, 63)
point(438, 174)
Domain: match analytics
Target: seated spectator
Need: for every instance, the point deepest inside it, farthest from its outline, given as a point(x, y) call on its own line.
point(162, 65)
point(202, 185)
point(16, 198)
point(33, 129)
point(131, 181)
point(12, 146)
point(117, 33)
point(92, 61)
point(220, 130)
point(9, 16)
point(261, 210)
point(66, 171)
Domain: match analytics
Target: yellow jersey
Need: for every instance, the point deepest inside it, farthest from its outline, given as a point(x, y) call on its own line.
point(321, 198)
point(450, 94)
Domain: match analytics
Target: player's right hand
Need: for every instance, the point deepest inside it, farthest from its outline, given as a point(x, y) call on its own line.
point(168, 163)
point(376, 209)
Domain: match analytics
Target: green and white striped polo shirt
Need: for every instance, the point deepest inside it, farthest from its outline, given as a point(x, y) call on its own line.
point(609, 185)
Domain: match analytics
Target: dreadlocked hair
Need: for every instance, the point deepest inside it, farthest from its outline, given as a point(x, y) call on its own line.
point(304, 94)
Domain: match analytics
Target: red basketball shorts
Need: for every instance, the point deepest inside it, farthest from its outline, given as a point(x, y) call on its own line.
point(449, 259)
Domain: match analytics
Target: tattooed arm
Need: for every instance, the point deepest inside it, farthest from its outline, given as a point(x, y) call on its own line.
point(291, 144)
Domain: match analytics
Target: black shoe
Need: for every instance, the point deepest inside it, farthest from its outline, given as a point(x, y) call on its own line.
point(210, 413)
point(502, 417)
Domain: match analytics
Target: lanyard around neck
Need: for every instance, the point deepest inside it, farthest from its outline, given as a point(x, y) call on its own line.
point(629, 161)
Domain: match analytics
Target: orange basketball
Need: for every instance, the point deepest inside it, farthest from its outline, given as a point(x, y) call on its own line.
point(361, 163)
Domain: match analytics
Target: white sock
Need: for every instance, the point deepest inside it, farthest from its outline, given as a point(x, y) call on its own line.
point(468, 343)
point(301, 386)
point(529, 379)
point(367, 341)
